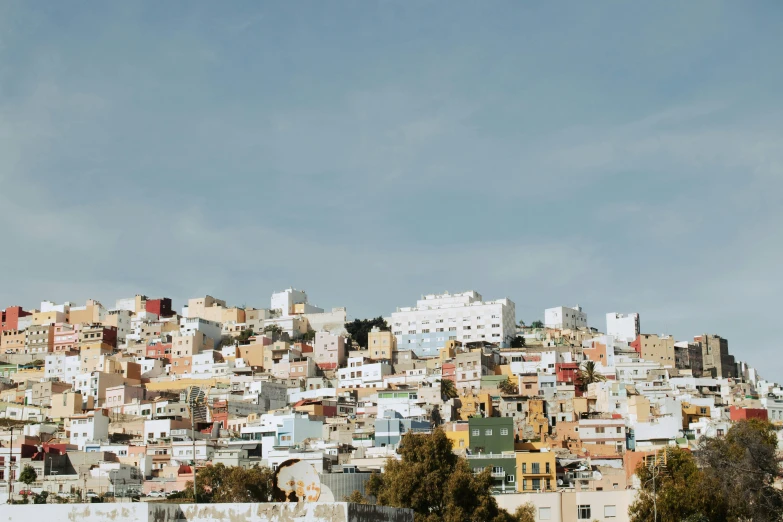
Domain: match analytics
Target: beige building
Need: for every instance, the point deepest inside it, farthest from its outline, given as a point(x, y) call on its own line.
point(658, 348)
point(44, 391)
point(381, 344)
point(13, 341)
point(92, 357)
point(190, 345)
point(215, 310)
point(65, 405)
point(39, 339)
point(92, 313)
point(50, 317)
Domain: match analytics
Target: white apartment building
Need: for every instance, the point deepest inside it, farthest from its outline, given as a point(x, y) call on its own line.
point(195, 325)
point(623, 327)
point(463, 317)
point(293, 302)
point(363, 373)
point(564, 317)
point(64, 367)
point(89, 427)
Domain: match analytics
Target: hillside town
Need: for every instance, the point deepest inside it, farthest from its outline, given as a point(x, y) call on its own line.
point(127, 400)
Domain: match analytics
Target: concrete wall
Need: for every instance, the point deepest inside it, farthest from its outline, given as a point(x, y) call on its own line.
point(164, 512)
point(563, 506)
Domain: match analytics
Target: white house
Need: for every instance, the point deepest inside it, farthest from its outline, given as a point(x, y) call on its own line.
point(89, 427)
point(624, 327)
point(564, 317)
point(360, 373)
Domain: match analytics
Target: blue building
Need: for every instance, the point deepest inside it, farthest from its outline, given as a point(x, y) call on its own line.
point(390, 428)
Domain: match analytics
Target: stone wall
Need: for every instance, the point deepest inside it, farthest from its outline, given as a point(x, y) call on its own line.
point(165, 512)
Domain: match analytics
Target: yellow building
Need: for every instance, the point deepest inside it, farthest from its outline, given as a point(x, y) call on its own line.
point(460, 440)
point(537, 418)
point(480, 404)
point(449, 351)
point(692, 413)
point(381, 344)
point(640, 406)
point(536, 471)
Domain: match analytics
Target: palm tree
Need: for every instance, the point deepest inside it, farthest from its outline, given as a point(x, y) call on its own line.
point(506, 387)
point(588, 374)
point(447, 389)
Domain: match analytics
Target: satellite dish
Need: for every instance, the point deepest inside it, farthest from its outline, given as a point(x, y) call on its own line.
point(297, 481)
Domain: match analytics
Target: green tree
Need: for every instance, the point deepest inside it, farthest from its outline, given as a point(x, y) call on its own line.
point(588, 374)
point(518, 342)
point(225, 340)
point(41, 497)
point(245, 335)
point(356, 498)
point(28, 476)
point(447, 389)
point(220, 484)
point(438, 485)
point(273, 331)
point(741, 469)
point(536, 324)
point(525, 513)
point(309, 335)
point(359, 328)
point(435, 417)
point(507, 387)
point(678, 491)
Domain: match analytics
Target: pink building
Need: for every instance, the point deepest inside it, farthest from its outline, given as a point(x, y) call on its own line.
point(116, 396)
point(66, 337)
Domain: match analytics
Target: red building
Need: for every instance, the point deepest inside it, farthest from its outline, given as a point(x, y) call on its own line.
point(737, 414)
point(9, 318)
point(449, 371)
point(161, 307)
point(566, 372)
point(636, 344)
point(159, 351)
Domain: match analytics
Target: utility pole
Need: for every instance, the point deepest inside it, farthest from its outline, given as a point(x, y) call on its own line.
point(193, 437)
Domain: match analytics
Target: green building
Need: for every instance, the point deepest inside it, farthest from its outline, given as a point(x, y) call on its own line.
point(502, 467)
point(491, 435)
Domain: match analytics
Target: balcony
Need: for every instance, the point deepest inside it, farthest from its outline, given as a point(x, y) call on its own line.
point(498, 474)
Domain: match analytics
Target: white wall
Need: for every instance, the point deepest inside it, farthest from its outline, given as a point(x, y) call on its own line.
point(565, 317)
point(622, 326)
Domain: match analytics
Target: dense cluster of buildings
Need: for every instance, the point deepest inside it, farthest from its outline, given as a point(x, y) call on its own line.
point(130, 399)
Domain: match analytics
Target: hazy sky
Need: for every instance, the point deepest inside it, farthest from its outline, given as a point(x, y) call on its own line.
point(626, 156)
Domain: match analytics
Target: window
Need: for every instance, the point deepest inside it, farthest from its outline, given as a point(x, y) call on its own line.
point(510, 478)
point(536, 468)
point(536, 484)
point(610, 511)
point(547, 468)
point(524, 467)
point(488, 432)
point(504, 431)
point(476, 433)
point(583, 512)
point(544, 513)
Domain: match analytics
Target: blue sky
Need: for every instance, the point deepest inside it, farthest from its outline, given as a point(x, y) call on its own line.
point(623, 156)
